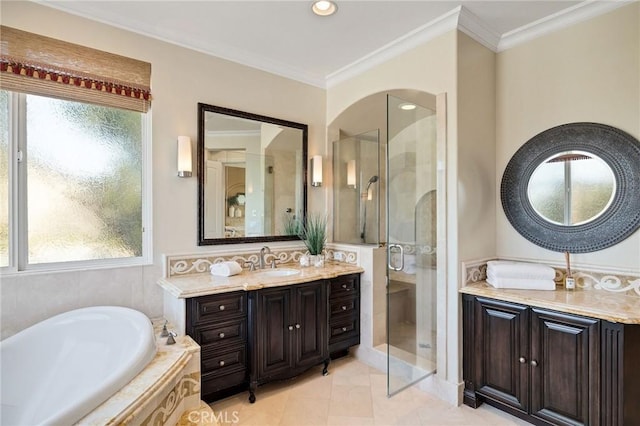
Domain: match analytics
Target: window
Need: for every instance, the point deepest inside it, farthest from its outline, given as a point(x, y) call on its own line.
point(76, 191)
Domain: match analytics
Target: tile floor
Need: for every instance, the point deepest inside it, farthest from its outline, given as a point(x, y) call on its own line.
point(352, 394)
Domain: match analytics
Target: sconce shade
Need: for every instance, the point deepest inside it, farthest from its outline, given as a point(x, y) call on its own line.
point(316, 170)
point(351, 173)
point(184, 156)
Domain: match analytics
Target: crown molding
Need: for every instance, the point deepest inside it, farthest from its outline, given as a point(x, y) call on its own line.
point(458, 18)
point(565, 18)
point(422, 34)
point(478, 30)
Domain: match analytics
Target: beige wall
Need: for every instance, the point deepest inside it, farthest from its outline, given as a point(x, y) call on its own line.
point(588, 72)
point(476, 150)
point(180, 79)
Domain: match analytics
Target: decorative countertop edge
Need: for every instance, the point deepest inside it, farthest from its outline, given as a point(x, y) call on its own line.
point(194, 285)
point(612, 307)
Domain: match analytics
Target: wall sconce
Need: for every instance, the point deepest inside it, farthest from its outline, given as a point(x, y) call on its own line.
point(184, 156)
point(351, 174)
point(316, 170)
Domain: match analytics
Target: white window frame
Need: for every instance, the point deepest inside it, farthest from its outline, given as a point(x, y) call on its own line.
point(18, 216)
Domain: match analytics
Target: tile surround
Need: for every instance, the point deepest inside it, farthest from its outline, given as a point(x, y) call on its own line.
point(626, 284)
point(167, 387)
point(179, 265)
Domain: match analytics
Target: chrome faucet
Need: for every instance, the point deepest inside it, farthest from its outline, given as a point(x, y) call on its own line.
point(263, 251)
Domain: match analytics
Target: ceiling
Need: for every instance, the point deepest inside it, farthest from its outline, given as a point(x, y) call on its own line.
point(286, 38)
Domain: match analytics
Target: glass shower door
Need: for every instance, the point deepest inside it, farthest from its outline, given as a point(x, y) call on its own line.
point(411, 236)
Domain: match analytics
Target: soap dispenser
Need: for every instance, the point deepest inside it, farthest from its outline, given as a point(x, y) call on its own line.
point(569, 282)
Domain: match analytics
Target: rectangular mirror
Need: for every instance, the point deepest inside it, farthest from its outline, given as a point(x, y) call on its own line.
point(251, 177)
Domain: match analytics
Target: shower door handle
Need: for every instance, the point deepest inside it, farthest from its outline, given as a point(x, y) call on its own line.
point(401, 251)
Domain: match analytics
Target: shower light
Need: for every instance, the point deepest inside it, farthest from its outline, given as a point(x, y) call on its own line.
point(407, 106)
point(324, 7)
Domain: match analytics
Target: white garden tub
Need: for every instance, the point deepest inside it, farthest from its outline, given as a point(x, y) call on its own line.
point(59, 370)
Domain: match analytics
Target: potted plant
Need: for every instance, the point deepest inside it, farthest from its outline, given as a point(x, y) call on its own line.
point(314, 235)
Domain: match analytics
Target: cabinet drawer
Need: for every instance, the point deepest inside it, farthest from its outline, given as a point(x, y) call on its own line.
point(212, 383)
point(345, 285)
point(344, 329)
point(224, 362)
point(223, 333)
point(343, 306)
point(218, 307)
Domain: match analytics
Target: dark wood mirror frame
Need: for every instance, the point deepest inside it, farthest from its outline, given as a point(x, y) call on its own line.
point(204, 108)
point(618, 149)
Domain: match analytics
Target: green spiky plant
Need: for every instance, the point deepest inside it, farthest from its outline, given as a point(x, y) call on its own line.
point(291, 224)
point(314, 233)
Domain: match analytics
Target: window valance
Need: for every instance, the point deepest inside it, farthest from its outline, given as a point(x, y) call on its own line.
point(40, 65)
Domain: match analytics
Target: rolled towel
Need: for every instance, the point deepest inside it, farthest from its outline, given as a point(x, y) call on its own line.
point(226, 269)
point(508, 269)
point(522, 283)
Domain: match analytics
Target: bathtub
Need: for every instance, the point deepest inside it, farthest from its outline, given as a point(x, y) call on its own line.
point(59, 370)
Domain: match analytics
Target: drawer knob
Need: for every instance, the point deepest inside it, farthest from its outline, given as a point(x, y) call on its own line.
point(221, 363)
point(522, 360)
point(222, 307)
point(344, 308)
point(297, 325)
point(221, 335)
point(534, 363)
point(290, 327)
point(344, 286)
point(344, 328)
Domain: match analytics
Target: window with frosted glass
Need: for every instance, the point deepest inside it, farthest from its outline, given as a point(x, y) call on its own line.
point(84, 181)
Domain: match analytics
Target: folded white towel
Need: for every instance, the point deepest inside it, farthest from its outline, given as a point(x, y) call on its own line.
point(522, 283)
point(508, 269)
point(226, 269)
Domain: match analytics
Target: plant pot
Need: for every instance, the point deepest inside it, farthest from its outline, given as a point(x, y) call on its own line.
point(317, 260)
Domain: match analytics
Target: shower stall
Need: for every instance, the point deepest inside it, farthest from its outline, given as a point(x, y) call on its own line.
point(385, 194)
point(356, 191)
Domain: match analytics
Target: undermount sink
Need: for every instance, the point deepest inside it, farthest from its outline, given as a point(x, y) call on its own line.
point(282, 272)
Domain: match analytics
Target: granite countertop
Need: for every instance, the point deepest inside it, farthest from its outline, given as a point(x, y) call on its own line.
point(193, 285)
point(610, 306)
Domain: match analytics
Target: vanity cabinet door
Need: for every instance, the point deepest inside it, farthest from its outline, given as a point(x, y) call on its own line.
point(275, 331)
point(502, 361)
point(311, 324)
point(564, 368)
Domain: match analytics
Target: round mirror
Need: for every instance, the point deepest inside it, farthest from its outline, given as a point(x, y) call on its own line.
point(571, 188)
point(574, 187)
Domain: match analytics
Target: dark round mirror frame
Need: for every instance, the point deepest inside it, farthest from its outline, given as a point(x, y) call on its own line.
point(618, 149)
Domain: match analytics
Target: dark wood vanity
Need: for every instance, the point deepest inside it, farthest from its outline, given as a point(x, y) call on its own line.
point(249, 338)
point(550, 367)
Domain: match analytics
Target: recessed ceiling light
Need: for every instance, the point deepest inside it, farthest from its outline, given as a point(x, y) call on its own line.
point(407, 106)
point(324, 7)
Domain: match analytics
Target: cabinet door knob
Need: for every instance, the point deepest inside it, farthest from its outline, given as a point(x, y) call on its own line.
point(522, 360)
point(290, 327)
point(344, 286)
point(221, 363)
point(297, 325)
point(221, 335)
point(221, 307)
point(534, 363)
point(344, 328)
point(344, 308)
